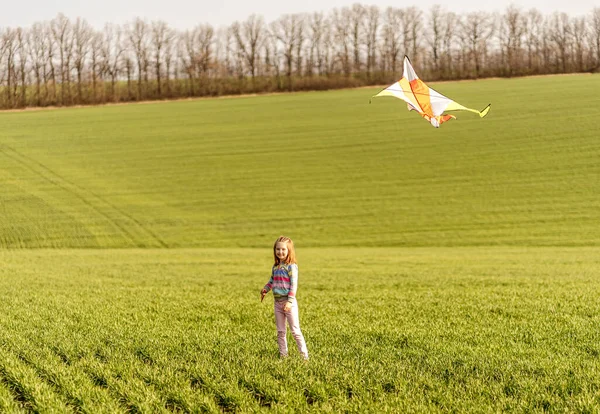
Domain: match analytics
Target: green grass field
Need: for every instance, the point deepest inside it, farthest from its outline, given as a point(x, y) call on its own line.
point(452, 269)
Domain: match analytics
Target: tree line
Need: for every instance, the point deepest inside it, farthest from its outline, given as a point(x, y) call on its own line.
point(64, 62)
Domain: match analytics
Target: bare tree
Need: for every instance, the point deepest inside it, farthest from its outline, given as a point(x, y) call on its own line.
point(187, 55)
point(560, 36)
point(23, 67)
point(371, 31)
point(476, 29)
point(579, 36)
point(62, 34)
point(139, 43)
point(49, 70)
point(301, 28)
point(341, 38)
point(195, 53)
point(112, 51)
point(391, 32)
point(63, 62)
point(414, 24)
point(451, 25)
point(272, 54)
point(128, 67)
point(83, 33)
point(8, 49)
point(161, 39)
point(227, 42)
point(96, 45)
point(206, 37)
point(35, 49)
point(287, 30)
point(357, 16)
point(434, 38)
point(169, 51)
point(405, 18)
point(533, 36)
point(315, 35)
point(203, 58)
point(249, 37)
point(510, 34)
point(595, 35)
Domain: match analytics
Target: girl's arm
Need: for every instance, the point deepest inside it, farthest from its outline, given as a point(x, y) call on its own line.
point(269, 284)
point(267, 287)
point(293, 275)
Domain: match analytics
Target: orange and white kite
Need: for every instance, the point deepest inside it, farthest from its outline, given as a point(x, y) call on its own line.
point(421, 98)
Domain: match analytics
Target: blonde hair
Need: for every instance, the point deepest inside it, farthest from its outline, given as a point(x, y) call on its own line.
point(291, 256)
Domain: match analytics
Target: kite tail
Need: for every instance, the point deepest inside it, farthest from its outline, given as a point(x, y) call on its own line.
point(485, 111)
point(453, 106)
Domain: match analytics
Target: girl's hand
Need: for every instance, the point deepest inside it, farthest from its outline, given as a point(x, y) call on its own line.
point(262, 294)
point(287, 307)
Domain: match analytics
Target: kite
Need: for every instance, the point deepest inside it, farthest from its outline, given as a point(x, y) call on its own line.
point(419, 97)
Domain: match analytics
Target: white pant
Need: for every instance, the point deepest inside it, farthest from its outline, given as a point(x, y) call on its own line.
point(294, 322)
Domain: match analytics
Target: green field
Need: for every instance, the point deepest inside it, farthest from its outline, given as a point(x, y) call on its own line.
point(452, 269)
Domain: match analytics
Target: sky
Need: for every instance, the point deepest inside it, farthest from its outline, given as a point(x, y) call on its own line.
point(185, 14)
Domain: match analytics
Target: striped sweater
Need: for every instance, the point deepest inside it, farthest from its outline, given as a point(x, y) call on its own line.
point(283, 282)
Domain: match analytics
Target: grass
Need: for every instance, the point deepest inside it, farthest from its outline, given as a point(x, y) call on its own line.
point(389, 329)
point(325, 167)
point(449, 269)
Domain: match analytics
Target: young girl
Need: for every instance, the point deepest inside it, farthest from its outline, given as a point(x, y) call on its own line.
point(284, 283)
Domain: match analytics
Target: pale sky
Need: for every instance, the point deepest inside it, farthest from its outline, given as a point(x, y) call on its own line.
point(185, 14)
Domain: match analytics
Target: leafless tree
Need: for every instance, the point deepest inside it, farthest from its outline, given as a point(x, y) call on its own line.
point(273, 54)
point(316, 24)
point(560, 37)
point(407, 40)
point(288, 31)
point(595, 35)
point(249, 37)
point(187, 55)
point(35, 49)
point(49, 70)
point(476, 29)
point(8, 50)
point(96, 45)
point(63, 62)
point(510, 34)
point(300, 43)
point(128, 68)
point(169, 54)
point(341, 38)
point(204, 56)
point(226, 43)
point(391, 33)
point(138, 41)
point(533, 39)
point(371, 31)
point(356, 22)
point(579, 36)
point(434, 36)
point(111, 55)
point(162, 37)
point(62, 35)
point(22, 39)
point(413, 22)
point(82, 33)
point(451, 24)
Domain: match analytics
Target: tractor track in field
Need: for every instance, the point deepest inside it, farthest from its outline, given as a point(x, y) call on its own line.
point(57, 180)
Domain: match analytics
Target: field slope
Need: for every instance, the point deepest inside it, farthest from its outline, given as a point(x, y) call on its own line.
point(441, 270)
point(324, 167)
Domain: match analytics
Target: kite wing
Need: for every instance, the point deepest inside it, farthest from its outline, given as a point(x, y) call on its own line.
point(426, 101)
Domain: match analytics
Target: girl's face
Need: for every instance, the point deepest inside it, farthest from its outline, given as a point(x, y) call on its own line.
point(281, 250)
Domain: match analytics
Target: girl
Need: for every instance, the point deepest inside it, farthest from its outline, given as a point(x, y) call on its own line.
point(284, 283)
